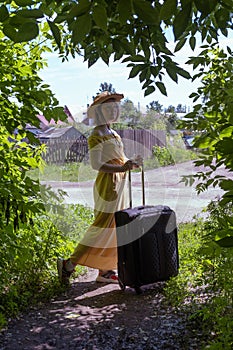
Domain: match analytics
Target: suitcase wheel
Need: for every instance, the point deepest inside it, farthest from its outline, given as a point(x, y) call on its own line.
point(138, 290)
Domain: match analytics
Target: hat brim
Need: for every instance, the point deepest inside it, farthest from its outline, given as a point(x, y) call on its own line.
point(102, 99)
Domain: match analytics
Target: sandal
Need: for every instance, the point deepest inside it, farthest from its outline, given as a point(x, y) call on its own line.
point(63, 274)
point(107, 277)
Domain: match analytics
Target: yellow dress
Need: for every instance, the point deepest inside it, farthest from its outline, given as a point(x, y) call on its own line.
point(98, 247)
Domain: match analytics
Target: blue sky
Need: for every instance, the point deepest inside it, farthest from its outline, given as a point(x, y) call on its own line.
point(74, 84)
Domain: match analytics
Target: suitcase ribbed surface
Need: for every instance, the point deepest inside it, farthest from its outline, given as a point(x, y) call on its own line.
point(148, 250)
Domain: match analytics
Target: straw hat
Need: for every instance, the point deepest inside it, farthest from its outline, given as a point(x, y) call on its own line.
point(101, 98)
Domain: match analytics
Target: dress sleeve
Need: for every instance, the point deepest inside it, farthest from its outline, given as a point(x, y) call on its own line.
point(95, 143)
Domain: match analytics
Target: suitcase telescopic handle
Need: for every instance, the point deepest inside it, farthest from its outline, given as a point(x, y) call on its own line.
point(143, 187)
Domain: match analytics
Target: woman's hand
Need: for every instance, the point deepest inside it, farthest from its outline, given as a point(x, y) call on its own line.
point(138, 160)
point(133, 163)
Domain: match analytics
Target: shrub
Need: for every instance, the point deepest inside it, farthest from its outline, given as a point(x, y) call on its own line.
point(28, 263)
point(203, 287)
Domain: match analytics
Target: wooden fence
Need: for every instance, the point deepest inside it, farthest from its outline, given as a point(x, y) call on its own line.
point(60, 151)
point(141, 141)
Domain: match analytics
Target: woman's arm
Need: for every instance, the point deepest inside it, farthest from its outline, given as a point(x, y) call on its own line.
point(97, 164)
point(114, 168)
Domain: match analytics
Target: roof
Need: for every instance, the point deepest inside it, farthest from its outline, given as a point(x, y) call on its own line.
point(46, 123)
point(54, 133)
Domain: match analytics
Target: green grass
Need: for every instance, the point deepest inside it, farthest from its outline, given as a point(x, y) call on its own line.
point(28, 257)
point(203, 288)
point(73, 172)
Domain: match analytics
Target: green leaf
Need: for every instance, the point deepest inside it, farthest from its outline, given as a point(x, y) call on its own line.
point(24, 3)
point(205, 6)
point(144, 75)
point(161, 87)
point(181, 21)
point(225, 146)
point(148, 82)
point(145, 48)
point(204, 142)
point(25, 70)
point(183, 73)
point(225, 242)
point(192, 42)
point(137, 58)
point(147, 13)
point(125, 10)
point(117, 45)
point(3, 13)
point(127, 46)
point(40, 96)
point(100, 16)
point(168, 9)
point(80, 9)
point(185, 2)
point(172, 73)
point(32, 162)
point(92, 60)
point(180, 44)
point(149, 90)
point(226, 132)
point(30, 13)
point(193, 94)
point(135, 70)
point(154, 70)
point(27, 31)
point(9, 31)
point(105, 56)
point(56, 32)
point(227, 197)
point(226, 184)
point(228, 3)
point(81, 27)
point(59, 113)
point(222, 16)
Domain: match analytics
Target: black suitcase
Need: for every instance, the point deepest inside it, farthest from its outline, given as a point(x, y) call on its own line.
point(147, 244)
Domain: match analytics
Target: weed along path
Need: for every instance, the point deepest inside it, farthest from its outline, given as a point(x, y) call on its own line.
point(94, 316)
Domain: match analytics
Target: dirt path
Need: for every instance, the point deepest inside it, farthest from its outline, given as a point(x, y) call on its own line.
point(94, 316)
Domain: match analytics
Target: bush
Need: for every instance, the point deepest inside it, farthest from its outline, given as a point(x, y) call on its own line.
point(163, 155)
point(203, 287)
point(175, 152)
point(28, 256)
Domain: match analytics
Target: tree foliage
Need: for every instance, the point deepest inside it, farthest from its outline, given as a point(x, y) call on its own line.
point(129, 113)
point(212, 119)
point(23, 95)
point(155, 106)
point(133, 31)
point(106, 87)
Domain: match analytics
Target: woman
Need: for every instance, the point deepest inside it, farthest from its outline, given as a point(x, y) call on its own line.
point(98, 247)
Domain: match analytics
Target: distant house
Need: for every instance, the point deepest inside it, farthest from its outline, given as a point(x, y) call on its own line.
point(65, 144)
point(63, 133)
